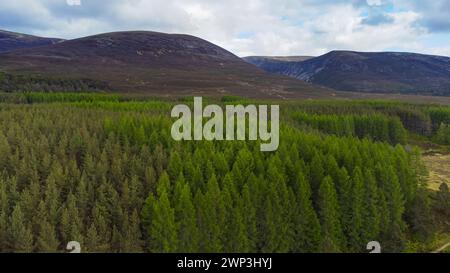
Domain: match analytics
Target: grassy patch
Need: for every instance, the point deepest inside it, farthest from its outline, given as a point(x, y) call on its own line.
point(440, 240)
point(439, 169)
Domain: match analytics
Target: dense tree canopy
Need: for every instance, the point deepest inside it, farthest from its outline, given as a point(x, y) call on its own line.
point(106, 173)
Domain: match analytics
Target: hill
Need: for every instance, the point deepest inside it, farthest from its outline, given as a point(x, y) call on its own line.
point(11, 41)
point(146, 62)
point(385, 72)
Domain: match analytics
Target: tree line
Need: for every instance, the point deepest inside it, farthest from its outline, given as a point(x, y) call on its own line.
point(377, 127)
point(35, 83)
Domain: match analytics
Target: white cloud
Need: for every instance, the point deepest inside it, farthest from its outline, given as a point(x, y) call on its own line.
point(374, 2)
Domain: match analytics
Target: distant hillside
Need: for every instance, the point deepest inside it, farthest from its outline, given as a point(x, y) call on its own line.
point(274, 64)
point(260, 59)
point(139, 61)
point(12, 41)
point(386, 72)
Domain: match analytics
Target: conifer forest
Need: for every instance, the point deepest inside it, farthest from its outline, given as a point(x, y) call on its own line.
point(103, 170)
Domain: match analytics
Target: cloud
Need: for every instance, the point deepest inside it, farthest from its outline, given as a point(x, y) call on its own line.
point(435, 15)
point(252, 27)
point(377, 12)
point(377, 19)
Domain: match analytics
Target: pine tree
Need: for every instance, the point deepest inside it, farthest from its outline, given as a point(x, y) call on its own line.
point(164, 184)
point(185, 214)
point(371, 212)
point(406, 180)
point(211, 217)
point(421, 218)
point(160, 159)
point(395, 235)
point(82, 197)
point(307, 226)
point(47, 241)
point(139, 135)
point(116, 240)
point(344, 190)
point(357, 209)
point(30, 198)
point(102, 228)
point(21, 238)
point(220, 165)
point(242, 167)
point(4, 207)
point(175, 166)
point(198, 181)
point(178, 189)
point(332, 169)
point(52, 195)
point(149, 180)
point(268, 229)
point(3, 231)
point(162, 231)
point(131, 241)
point(250, 217)
point(93, 241)
point(283, 202)
point(384, 213)
point(316, 173)
point(75, 222)
point(64, 225)
point(136, 193)
point(443, 199)
point(147, 217)
point(333, 237)
point(5, 152)
point(235, 234)
point(57, 177)
point(125, 199)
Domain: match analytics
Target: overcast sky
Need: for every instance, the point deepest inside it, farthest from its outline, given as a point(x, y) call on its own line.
point(249, 27)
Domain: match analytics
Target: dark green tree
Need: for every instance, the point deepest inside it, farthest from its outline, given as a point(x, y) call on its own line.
point(443, 199)
point(333, 237)
point(162, 231)
point(355, 241)
point(307, 226)
point(20, 236)
point(211, 217)
point(185, 215)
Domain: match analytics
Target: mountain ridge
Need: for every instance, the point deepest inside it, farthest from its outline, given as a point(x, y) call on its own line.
point(148, 62)
point(373, 72)
point(10, 41)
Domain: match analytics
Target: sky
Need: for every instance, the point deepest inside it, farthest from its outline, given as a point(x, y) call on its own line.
point(249, 27)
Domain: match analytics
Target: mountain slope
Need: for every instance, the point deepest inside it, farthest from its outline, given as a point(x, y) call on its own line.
point(11, 41)
point(274, 64)
point(387, 72)
point(147, 62)
point(262, 59)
